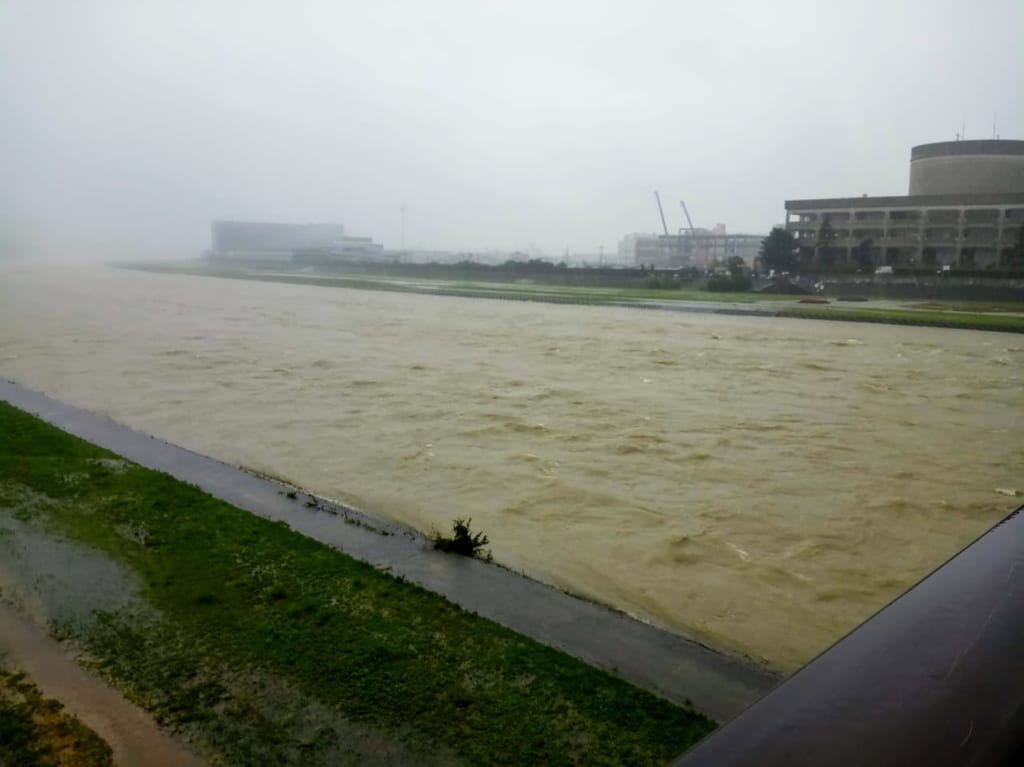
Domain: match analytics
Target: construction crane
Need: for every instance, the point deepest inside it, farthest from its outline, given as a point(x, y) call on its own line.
point(696, 250)
point(662, 212)
point(683, 203)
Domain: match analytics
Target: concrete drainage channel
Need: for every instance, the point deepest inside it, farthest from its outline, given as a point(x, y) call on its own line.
point(671, 666)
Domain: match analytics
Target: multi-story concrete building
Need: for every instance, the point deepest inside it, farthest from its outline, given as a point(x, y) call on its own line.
point(700, 248)
point(965, 209)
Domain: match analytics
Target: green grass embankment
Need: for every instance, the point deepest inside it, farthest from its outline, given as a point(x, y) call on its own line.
point(509, 291)
point(266, 647)
point(924, 318)
point(757, 304)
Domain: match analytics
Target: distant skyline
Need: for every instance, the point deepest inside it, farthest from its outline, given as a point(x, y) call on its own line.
point(130, 124)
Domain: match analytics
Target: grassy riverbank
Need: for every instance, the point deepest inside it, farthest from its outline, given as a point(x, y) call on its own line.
point(965, 315)
point(921, 317)
point(265, 647)
point(525, 291)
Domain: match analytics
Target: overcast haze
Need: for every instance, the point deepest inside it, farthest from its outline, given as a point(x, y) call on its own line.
point(128, 125)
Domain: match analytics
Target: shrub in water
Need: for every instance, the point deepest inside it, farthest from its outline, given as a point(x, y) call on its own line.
point(463, 541)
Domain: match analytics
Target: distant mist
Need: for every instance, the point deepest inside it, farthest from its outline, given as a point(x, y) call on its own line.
point(129, 124)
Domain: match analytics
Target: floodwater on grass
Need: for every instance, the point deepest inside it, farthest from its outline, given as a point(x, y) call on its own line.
point(762, 484)
point(52, 579)
point(48, 581)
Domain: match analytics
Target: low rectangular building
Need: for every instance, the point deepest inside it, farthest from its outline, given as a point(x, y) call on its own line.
point(267, 244)
point(257, 237)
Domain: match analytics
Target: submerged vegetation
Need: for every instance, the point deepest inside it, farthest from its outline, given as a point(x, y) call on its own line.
point(262, 646)
point(463, 541)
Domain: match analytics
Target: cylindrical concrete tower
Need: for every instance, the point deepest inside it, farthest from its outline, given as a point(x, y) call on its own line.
point(967, 167)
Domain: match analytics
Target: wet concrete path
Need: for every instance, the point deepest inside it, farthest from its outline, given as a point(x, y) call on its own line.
point(657, 660)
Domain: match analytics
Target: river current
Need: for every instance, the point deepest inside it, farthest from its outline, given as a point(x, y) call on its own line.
point(760, 484)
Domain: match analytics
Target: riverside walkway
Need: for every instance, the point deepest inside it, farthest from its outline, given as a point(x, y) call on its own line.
point(672, 666)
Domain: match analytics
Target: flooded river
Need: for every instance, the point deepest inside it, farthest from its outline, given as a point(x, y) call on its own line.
point(760, 484)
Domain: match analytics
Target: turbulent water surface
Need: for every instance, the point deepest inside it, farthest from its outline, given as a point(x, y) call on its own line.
point(761, 484)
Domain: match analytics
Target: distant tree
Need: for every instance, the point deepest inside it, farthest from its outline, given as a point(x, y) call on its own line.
point(520, 264)
point(736, 281)
point(779, 251)
point(862, 255)
point(735, 265)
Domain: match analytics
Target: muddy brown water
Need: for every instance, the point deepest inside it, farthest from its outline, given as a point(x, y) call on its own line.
point(761, 484)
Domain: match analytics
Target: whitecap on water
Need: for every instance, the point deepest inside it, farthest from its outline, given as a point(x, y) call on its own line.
point(741, 553)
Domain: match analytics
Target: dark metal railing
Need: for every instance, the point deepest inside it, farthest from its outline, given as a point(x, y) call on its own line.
point(935, 678)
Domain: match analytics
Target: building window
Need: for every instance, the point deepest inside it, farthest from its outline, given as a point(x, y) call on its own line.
point(982, 216)
point(905, 235)
point(863, 234)
point(941, 233)
point(983, 235)
point(943, 216)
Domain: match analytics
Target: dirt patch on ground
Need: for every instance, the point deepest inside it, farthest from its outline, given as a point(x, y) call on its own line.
point(37, 731)
point(46, 580)
point(132, 736)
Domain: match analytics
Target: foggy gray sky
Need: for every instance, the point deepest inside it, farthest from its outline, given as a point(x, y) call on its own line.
point(128, 125)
